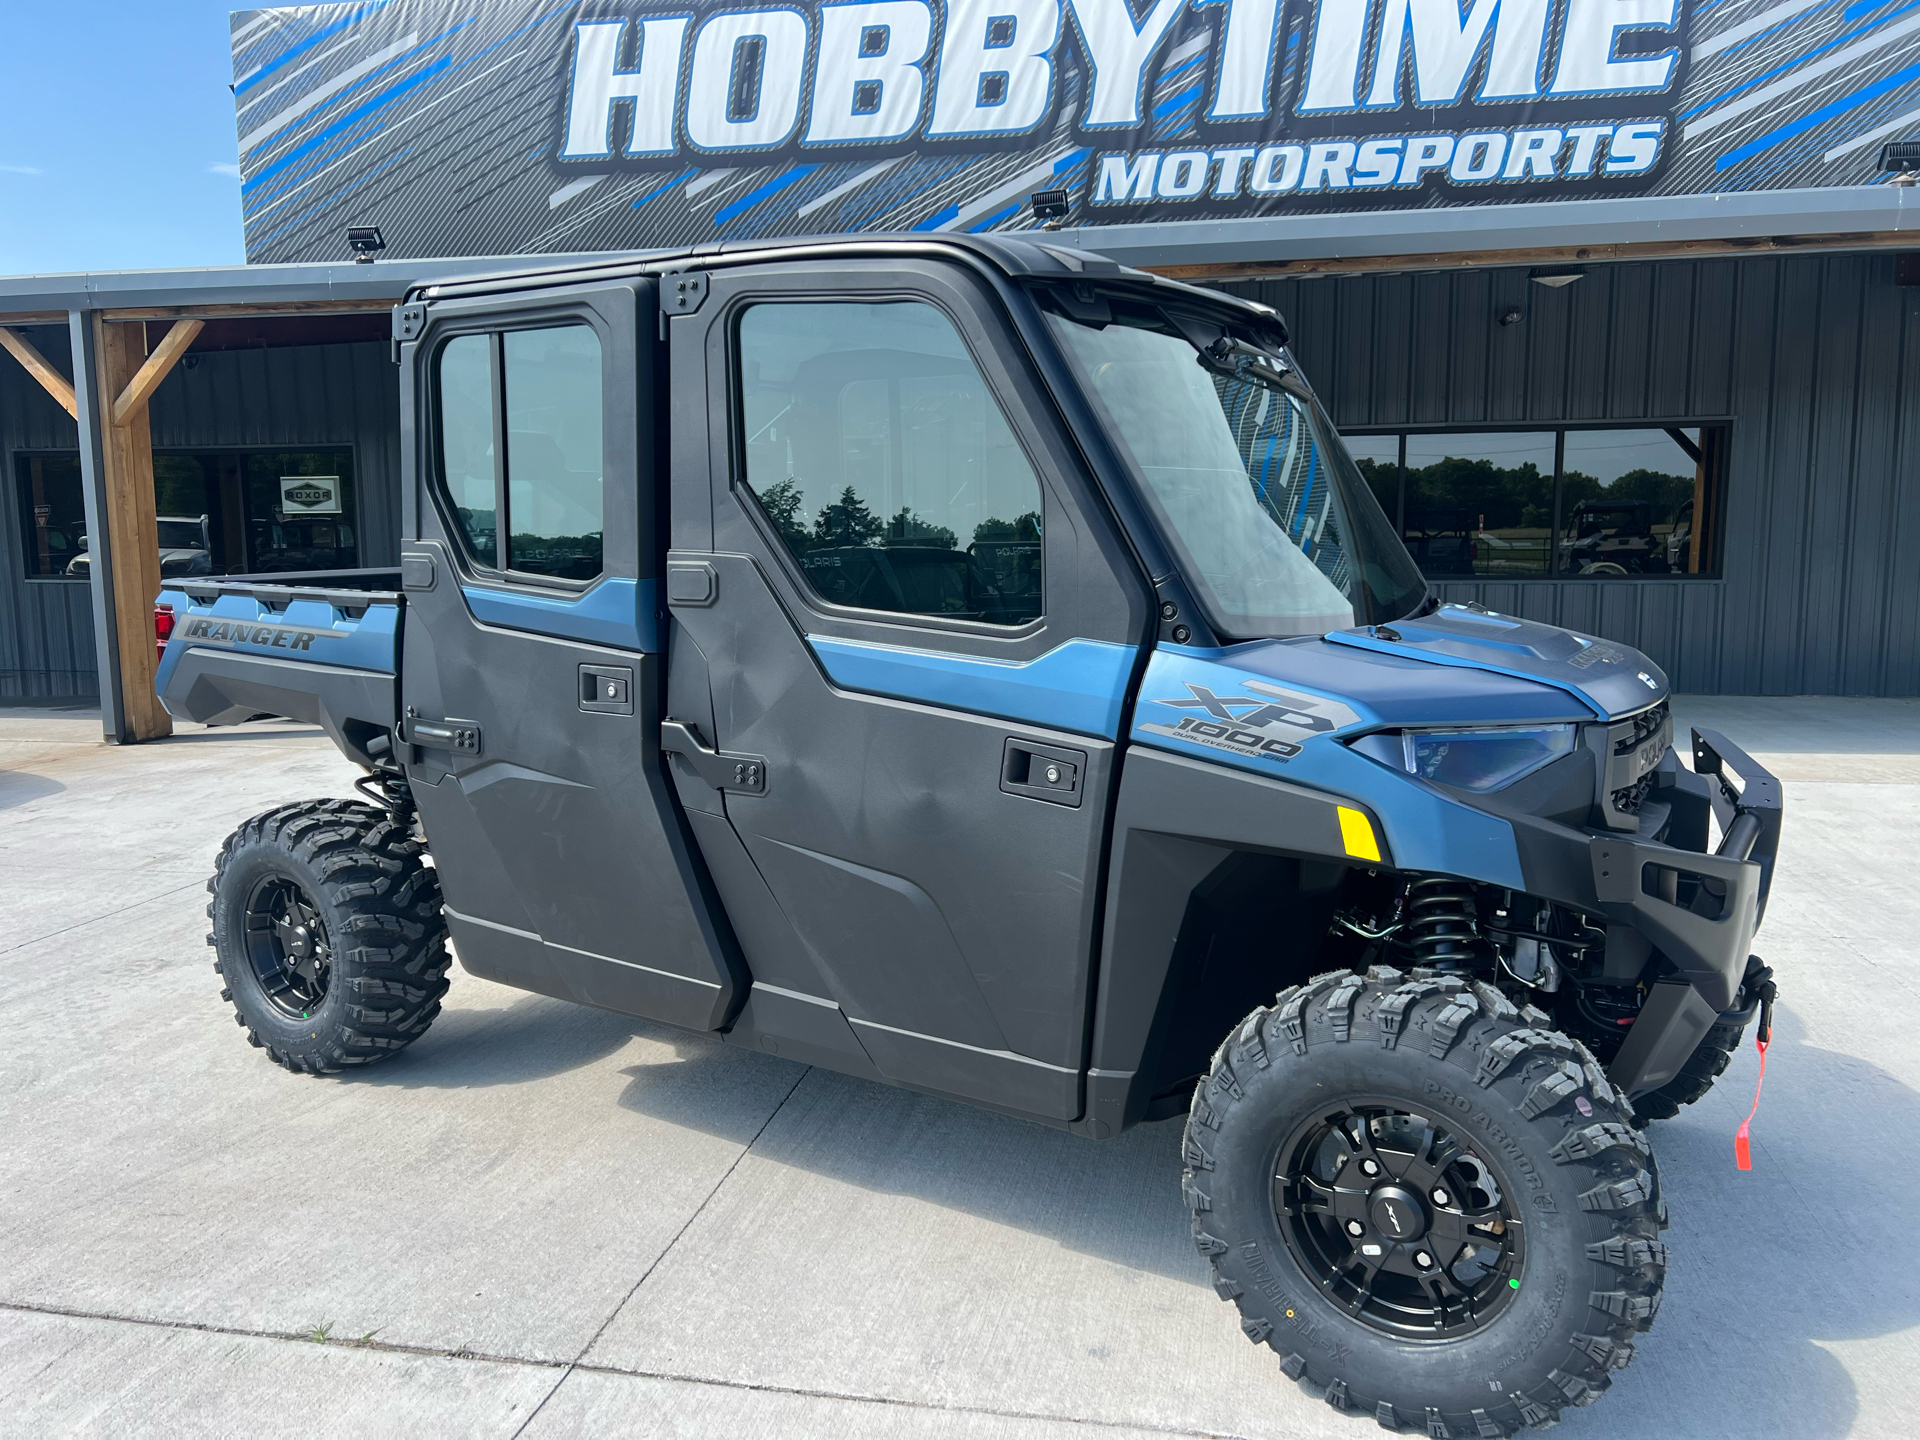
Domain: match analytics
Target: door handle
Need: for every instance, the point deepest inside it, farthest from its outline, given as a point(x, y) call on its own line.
point(461, 736)
point(1043, 772)
point(721, 769)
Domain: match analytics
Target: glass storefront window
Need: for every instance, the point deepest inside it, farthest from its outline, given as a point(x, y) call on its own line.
point(1577, 503)
point(219, 512)
point(1628, 502)
point(1480, 504)
point(53, 517)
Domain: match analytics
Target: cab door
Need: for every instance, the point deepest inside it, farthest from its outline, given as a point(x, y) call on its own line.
point(903, 635)
point(532, 670)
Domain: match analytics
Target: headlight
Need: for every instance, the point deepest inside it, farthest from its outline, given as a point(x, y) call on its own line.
point(1485, 759)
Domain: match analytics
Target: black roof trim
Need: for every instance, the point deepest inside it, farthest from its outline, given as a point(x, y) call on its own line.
point(1013, 257)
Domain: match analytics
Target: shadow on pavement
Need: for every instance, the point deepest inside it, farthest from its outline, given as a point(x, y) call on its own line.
point(529, 1038)
point(17, 787)
point(223, 733)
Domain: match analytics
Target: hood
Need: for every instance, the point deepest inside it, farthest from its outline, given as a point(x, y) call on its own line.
point(1610, 679)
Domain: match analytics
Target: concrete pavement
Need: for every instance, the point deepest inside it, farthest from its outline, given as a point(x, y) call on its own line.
point(545, 1220)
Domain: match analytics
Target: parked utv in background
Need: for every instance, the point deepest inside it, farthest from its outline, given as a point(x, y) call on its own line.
point(1615, 537)
point(721, 695)
point(186, 548)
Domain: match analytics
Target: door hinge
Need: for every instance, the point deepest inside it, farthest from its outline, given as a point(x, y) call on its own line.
point(721, 769)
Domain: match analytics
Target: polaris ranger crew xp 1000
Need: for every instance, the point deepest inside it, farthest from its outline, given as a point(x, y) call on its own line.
point(977, 666)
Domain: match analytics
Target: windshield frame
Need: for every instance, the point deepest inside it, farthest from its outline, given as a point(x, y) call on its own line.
point(1193, 315)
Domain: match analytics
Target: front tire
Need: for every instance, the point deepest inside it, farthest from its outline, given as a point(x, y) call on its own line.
point(1434, 1209)
point(328, 934)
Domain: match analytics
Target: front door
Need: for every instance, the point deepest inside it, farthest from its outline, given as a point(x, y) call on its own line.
point(532, 678)
point(906, 631)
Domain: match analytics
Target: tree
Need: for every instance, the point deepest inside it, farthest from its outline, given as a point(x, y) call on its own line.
point(782, 503)
point(907, 528)
point(1021, 527)
point(847, 521)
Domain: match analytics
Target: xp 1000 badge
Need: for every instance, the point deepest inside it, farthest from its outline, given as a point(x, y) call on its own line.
point(1258, 721)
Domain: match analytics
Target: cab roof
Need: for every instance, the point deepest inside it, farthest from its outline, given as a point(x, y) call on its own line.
point(1016, 257)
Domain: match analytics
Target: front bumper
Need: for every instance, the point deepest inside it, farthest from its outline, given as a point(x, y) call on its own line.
point(1699, 909)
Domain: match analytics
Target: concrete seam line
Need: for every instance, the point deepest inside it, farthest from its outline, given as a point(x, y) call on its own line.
point(698, 1211)
point(431, 1352)
point(96, 919)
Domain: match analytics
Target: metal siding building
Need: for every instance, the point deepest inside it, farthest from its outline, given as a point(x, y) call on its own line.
point(1813, 359)
point(46, 626)
point(334, 395)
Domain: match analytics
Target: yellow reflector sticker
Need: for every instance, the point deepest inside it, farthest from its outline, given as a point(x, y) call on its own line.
point(1357, 835)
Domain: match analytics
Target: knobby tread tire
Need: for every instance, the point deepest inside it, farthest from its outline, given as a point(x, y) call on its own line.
point(381, 903)
point(1593, 1222)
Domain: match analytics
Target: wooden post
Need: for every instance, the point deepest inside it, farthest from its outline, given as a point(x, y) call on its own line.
point(128, 378)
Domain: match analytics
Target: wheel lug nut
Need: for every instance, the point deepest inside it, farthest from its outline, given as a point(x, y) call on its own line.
point(1439, 1197)
point(1422, 1259)
point(1367, 1167)
point(1354, 1227)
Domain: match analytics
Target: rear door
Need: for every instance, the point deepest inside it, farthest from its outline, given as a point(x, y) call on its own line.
point(532, 669)
point(905, 631)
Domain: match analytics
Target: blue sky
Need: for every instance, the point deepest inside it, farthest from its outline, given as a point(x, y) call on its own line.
point(117, 141)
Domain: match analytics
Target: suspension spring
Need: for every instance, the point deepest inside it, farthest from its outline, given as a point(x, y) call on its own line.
point(1442, 925)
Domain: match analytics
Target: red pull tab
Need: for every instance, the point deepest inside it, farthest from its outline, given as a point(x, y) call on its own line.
point(1742, 1152)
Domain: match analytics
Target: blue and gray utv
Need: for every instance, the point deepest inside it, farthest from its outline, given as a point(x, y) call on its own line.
point(978, 667)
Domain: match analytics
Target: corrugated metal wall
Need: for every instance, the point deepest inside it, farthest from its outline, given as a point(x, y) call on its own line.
point(300, 395)
point(46, 626)
point(1816, 360)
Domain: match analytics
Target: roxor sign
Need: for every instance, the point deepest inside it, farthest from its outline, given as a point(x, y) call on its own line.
point(528, 127)
point(310, 494)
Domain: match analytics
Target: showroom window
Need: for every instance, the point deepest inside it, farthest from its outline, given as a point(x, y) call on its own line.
point(53, 517)
point(219, 512)
point(1587, 503)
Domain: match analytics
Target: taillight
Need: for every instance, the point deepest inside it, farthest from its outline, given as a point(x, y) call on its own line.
point(162, 629)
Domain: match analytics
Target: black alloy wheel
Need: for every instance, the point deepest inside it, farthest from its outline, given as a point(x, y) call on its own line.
point(1398, 1221)
point(328, 934)
point(1433, 1207)
point(288, 946)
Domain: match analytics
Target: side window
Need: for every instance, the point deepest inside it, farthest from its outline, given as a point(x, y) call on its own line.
point(521, 449)
point(877, 451)
point(466, 443)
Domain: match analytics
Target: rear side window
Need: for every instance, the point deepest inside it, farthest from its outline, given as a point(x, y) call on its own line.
point(876, 450)
point(520, 452)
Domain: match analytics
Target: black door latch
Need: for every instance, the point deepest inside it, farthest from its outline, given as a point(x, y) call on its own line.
point(460, 736)
point(721, 769)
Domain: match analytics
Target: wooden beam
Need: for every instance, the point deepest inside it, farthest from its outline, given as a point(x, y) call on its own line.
point(1557, 255)
point(147, 379)
point(34, 317)
point(133, 532)
point(270, 307)
point(51, 380)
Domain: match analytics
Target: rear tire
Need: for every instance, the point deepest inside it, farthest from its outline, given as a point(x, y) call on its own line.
point(1534, 1251)
point(328, 934)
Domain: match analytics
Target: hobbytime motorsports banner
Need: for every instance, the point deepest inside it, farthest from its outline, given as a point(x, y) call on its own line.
point(511, 126)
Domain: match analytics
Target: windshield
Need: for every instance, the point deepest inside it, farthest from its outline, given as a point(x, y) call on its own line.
point(1270, 519)
point(181, 535)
